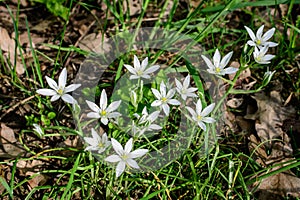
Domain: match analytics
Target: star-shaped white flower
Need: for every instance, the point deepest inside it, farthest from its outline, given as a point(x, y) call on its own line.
point(260, 40)
point(260, 55)
point(184, 90)
point(164, 98)
point(218, 67)
point(103, 112)
point(60, 90)
point(201, 116)
point(139, 70)
point(145, 122)
point(96, 142)
point(125, 157)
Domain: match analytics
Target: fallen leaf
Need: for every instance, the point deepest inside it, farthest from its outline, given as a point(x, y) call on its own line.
point(9, 142)
point(7, 44)
point(38, 180)
point(279, 185)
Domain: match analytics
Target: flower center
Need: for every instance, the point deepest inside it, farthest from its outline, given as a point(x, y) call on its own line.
point(100, 145)
point(218, 69)
point(164, 99)
point(258, 42)
point(103, 113)
point(60, 91)
point(139, 72)
point(258, 58)
point(124, 157)
point(199, 117)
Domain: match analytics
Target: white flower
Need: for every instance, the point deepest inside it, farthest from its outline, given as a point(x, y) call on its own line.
point(96, 142)
point(125, 156)
point(261, 57)
point(103, 112)
point(59, 90)
point(139, 70)
point(164, 98)
point(219, 65)
point(261, 40)
point(201, 116)
point(38, 130)
point(184, 90)
point(145, 122)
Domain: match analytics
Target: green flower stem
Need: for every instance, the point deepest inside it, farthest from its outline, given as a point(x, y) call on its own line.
point(242, 68)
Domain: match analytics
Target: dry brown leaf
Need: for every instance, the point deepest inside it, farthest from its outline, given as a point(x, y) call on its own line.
point(269, 120)
point(278, 185)
point(135, 6)
point(234, 102)
point(271, 115)
point(7, 44)
point(9, 142)
point(38, 180)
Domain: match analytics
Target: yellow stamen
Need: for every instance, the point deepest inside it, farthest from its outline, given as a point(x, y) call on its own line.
point(218, 70)
point(164, 99)
point(258, 42)
point(199, 117)
point(100, 145)
point(103, 113)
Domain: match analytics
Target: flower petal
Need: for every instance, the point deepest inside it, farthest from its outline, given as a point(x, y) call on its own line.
point(166, 109)
point(192, 112)
point(156, 103)
point(46, 92)
point(51, 83)
point(226, 59)
point(208, 62)
point(94, 115)
point(268, 34)
point(201, 125)
point(72, 87)
point(186, 81)
point(120, 168)
point(136, 63)
point(95, 136)
point(156, 93)
point(130, 69)
point(93, 106)
point(251, 34)
point(132, 163)
point(217, 58)
point(174, 102)
point(259, 32)
point(128, 146)
point(144, 64)
point(230, 70)
point(151, 69)
point(138, 153)
point(90, 141)
point(113, 106)
point(117, 146)
point(103, 100)
point(199, 106)
point(68, 98)
point(104, 120)
point(55, 97)
point(208, 119)
point(113, 158)
point(62, 79)
point(208, 110)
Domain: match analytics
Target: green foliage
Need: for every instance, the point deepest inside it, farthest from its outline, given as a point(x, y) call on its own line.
point(56, 7)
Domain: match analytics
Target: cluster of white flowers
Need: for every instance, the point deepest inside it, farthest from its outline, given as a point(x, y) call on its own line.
point(261, 44)
point(165, 97)
point(145, 122)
